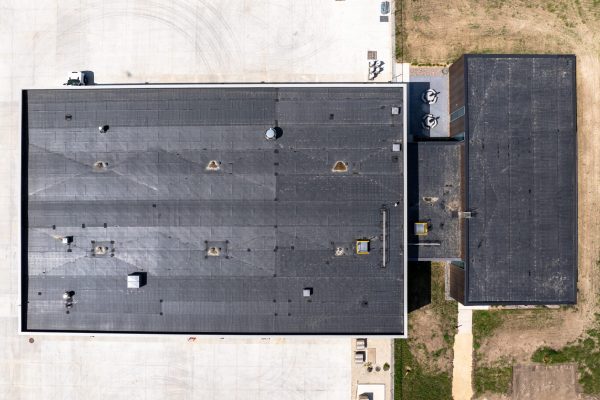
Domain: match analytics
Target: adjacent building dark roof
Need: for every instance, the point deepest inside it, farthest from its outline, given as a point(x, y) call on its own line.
point(434, 198)
point(521, 179)
point(139, 198)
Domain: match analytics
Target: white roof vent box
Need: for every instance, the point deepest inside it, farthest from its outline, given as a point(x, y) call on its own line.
point(136, 280)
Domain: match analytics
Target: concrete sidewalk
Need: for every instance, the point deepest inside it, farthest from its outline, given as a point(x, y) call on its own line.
point(462, 387)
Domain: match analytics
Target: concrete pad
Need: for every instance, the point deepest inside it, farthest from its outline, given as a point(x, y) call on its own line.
point(462, 367)
point(174, 41)
point(171, 367)
point(462, 386)
point(465, 320)
point(545, 382)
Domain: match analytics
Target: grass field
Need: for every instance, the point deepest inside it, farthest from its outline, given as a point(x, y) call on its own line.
point(495, 377)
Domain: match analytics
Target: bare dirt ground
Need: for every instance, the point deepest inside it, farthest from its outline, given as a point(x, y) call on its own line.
point(438, 32)
point(429, 348)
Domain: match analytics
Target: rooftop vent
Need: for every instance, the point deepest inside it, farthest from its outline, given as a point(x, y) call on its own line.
point(307, 292)
point(213, 165)
point(429, 121)
point(430, 96)
point(465, 214)
point(103, 128)
point(136, 280)
point(421, 228)
point(363, 246)
point(100, 166)
point(271, 134)
point(67, 239)
point(339, 251)
point(213, 251)
point(68, 298)
point(100, 250)
point(340, 166)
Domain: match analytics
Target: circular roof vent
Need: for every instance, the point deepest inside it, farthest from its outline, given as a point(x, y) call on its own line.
point(430, 96)
point(271, 134)
point(429, 121)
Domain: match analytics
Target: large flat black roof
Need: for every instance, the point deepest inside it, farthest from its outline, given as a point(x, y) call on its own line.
point(521, 176)
point(139, 198)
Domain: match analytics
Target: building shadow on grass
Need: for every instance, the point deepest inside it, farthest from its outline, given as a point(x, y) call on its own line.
point(419, 285)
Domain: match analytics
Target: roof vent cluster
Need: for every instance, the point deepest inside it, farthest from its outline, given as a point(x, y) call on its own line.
point(375, 68)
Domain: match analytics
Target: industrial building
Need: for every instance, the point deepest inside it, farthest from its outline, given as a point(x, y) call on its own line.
point(215, 209)
point(295, 209)
point(517, 115)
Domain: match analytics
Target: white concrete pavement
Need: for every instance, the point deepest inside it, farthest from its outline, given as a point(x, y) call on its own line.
point(169, 41)
point(462, 387)
point(462, 372)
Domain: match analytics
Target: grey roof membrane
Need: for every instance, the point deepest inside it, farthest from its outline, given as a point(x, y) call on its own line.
point(434, 197)
point(522, 179)
point(275, 209)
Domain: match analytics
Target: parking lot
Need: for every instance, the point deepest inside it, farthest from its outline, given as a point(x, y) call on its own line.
point(169, 41)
